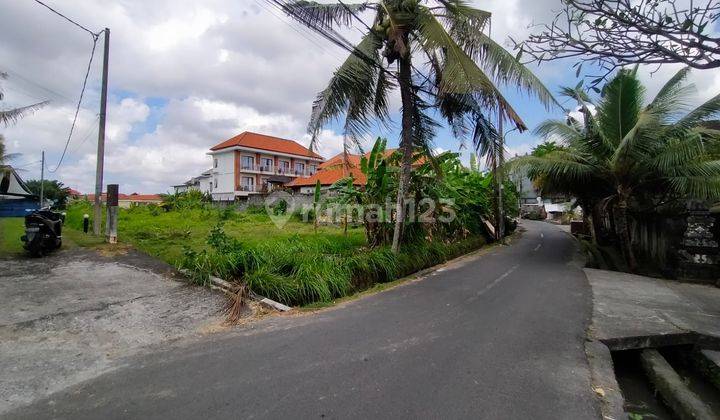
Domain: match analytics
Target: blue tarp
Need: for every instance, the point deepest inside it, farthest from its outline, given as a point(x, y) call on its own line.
point(17, 208)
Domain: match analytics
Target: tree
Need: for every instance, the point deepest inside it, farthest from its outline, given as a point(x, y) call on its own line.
point(629, 155)
point(615, 33)
point(54, 190)
point(436, 48)
point(546, 147)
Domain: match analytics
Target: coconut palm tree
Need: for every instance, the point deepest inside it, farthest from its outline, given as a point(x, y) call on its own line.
point(629, 153)
point(436, 54)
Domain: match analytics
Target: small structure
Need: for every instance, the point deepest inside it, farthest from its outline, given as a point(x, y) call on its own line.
point(16, 200)
point(202, 183)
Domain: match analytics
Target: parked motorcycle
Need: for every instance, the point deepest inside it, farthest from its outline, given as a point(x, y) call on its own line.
point(43, 232)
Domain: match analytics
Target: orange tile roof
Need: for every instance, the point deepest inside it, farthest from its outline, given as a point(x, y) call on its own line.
point(329, 176)
point(265, 142)
point(331, 170)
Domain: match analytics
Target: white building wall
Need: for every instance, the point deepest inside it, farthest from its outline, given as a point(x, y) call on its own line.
point(224, 174)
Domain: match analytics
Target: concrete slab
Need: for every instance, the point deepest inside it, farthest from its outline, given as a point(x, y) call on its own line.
point(74, 315)
point(629, 310)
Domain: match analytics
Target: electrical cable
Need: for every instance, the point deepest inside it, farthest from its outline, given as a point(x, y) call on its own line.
point(77, 108)
point(68, 19)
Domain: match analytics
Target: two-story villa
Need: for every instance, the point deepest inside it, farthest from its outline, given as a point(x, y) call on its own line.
point(252, 163)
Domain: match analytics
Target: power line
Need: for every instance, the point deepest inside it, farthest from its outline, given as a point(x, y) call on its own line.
point(94, 35)
point(90, 131)
point(16, 75)
point(77, 108)
point(302, 30)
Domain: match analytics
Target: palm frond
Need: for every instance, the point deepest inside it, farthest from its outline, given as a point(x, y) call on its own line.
point(673, 97)
point(620, 107)
point(323, 15)
point(556, 129)
point(702, 113)
point(575, 93)
point(354, 82)
point(504, 67)
point(459, 73)
point(11, 116)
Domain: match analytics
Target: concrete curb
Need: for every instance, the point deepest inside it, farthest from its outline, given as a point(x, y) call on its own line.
point(683, 402)
point(604, 382)
point(222, 285)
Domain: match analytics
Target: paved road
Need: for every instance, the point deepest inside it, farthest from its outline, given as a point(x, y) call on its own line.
point(500, 336)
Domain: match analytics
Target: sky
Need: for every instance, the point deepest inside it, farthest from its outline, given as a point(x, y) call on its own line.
point(186, 75)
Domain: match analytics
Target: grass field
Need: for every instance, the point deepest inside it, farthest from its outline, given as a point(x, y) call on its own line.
point(12, 228)
point(165, 234)
point(294, 264)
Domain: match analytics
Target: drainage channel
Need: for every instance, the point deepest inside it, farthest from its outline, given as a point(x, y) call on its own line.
point(669, 382)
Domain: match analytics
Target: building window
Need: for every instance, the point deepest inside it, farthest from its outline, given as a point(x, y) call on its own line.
point(267, 164)
point(214, 184)
point(248, 162)
point(299, 168)
point(284, 167)
point(215, 163)
point(248, 183)
point(313, 169)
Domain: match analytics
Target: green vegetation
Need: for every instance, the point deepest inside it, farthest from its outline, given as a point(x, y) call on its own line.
point(294, 265)
point(12, 228)
point(53, 190)
point(460, 80)
point(629, 157)
point(300, 270)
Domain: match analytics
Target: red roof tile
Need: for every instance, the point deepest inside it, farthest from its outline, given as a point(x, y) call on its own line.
point(329, 176)
point(331, 170)
point(264, 142)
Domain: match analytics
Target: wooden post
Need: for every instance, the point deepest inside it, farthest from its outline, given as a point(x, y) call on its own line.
point(112, 213)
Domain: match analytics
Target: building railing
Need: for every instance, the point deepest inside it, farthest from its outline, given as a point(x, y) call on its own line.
point(278, 170)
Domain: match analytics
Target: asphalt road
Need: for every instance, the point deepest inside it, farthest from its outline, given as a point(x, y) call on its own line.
point(499, 336)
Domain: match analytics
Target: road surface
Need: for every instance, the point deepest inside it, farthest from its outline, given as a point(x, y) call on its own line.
point(499, 336)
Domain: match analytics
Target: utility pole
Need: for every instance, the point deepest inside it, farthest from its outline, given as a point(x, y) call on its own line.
point(101, 139)
point(498, 178)
point(42, 179)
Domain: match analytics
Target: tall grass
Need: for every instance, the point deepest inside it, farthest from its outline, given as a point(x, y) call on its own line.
point(298, 272)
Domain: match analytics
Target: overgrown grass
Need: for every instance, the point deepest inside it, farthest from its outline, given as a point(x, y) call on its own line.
point(302, 271)
point(294, 265)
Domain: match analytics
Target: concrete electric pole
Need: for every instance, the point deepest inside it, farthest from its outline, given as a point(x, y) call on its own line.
point(97, 219)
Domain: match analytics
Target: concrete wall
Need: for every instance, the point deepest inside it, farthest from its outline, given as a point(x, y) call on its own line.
point(224, 174)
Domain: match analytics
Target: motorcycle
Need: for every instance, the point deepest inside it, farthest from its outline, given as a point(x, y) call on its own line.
point(43, 232)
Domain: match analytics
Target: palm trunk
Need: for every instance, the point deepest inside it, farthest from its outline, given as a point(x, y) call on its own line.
point(623, 233)
point(406, 146)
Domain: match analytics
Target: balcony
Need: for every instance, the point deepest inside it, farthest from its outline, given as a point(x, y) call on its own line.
point(271, 170)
